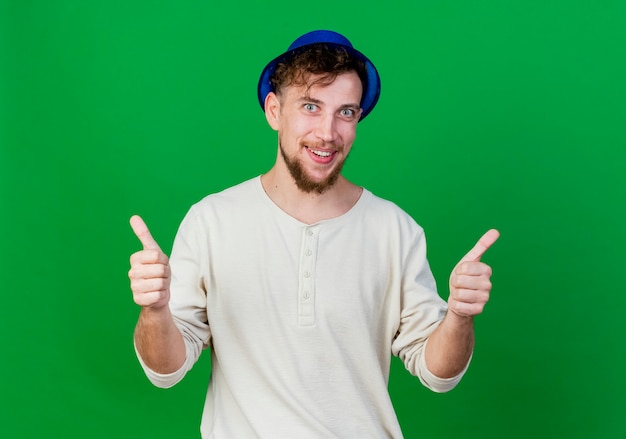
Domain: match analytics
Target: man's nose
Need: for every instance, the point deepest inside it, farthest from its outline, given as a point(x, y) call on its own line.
point(325, 129)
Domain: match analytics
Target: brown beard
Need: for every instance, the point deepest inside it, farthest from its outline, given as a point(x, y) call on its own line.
point(304, 183)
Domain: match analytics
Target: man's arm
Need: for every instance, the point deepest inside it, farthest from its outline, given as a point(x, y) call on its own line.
point(450, 346)
point(157, 339)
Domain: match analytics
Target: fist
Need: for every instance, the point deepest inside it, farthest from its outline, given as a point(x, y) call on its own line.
point(149, 272)
point(470, 281)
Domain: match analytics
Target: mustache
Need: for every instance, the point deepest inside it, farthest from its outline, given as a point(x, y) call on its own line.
point(321, 145)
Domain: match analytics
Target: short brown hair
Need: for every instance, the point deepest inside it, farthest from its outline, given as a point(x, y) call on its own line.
point(323, 59)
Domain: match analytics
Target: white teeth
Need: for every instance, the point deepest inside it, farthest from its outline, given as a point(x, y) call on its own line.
point(321, 153)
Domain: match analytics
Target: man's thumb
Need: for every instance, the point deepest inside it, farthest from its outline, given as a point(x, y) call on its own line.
point(482, 246)
point(142, 232)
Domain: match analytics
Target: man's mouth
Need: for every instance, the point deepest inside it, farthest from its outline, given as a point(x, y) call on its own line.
point(321, 156)
point(320, 153)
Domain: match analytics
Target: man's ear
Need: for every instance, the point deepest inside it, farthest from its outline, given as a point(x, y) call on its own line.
point(272, 110)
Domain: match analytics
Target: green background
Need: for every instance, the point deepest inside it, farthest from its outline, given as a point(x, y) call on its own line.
point(506, 114)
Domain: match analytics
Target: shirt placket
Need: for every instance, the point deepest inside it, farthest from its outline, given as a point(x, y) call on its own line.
point(306, 290)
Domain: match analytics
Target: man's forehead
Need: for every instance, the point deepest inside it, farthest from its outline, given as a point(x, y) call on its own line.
point(315, 89)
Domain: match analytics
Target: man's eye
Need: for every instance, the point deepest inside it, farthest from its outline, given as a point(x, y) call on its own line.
point(347, 112)
point(310, 107)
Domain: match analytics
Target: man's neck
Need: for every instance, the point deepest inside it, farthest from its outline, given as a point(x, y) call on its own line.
point(313, 207)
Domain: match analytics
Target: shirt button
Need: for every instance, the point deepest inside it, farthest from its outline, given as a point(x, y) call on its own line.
point(308, 252)
point(310, 232)
point(307, 274)
point(306, 295)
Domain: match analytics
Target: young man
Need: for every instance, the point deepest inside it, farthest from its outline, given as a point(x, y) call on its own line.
point(302, 283)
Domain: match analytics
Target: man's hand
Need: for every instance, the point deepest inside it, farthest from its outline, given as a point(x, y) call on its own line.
point(149, 269)
point(470, 282)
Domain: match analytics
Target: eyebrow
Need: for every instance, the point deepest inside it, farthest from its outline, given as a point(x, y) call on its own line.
point(319, 102)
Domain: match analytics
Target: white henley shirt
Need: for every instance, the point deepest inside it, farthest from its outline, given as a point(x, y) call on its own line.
point(302, 319)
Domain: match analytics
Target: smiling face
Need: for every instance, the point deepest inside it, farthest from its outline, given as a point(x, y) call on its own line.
point(316, 128)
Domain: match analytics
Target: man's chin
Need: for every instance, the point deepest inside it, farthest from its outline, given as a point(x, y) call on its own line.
point(308, 185)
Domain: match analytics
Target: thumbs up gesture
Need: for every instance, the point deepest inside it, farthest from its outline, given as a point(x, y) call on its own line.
point(149, 269)
point(470, 281)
